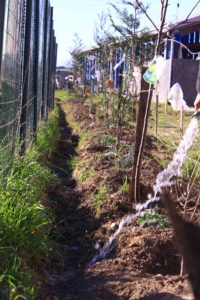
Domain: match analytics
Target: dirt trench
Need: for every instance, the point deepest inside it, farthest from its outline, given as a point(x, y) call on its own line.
point(145, 261)
point(75, 225)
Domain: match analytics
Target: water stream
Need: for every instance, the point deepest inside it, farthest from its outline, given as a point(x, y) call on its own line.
point(163, 179)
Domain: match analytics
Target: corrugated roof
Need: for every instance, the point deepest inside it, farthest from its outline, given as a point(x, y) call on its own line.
point(187, 26)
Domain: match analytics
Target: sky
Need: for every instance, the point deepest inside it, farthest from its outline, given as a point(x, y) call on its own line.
point(79, 16)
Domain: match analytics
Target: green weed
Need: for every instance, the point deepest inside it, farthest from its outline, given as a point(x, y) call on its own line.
point(64, 94)
point(48, 135)
point(125, 186)
point(72, 163)
point(114, 207)
point(99, 198)
point(153, 218)
point(83, 135)
point(87, 174)
point(108, 139)
point(125, 161)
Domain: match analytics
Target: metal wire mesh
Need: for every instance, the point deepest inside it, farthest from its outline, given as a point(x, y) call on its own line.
point(27, 65)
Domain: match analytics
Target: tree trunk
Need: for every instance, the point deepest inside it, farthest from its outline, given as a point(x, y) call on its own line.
point(142, 118)
point(119, 112)
point(141, 129)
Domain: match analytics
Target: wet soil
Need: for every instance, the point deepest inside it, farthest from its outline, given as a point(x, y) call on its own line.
point(144, 261)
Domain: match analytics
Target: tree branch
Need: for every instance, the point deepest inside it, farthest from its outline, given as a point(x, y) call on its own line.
point(116, 27)
point(163, 13)
point(181, 23)
point(146, 14)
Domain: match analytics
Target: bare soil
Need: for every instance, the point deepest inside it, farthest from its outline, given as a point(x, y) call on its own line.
point(144, 261)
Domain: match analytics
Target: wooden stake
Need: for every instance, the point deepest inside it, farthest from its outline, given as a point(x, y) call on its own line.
point(166, 106)
point(182, 271)
point(177, 97)
point(181, 122)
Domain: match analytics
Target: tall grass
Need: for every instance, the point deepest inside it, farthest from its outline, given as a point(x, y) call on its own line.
point(25, 222)
point(64, 94)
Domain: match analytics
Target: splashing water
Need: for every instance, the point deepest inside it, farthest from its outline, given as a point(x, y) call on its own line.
point(107, 248)
point(163, 179)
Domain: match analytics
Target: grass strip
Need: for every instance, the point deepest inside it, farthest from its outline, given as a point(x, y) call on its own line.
point(25, 222)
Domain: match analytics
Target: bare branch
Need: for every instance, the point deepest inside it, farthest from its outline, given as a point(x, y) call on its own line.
point(163, 13)
point(192, 10)
point(128, 3)
point(146, 14)
point(181, 23)
point(162, 10)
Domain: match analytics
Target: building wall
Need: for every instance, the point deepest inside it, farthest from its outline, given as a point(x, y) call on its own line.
point(185, 73)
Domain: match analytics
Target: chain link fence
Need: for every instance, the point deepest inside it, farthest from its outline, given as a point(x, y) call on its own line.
point(28, 52)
